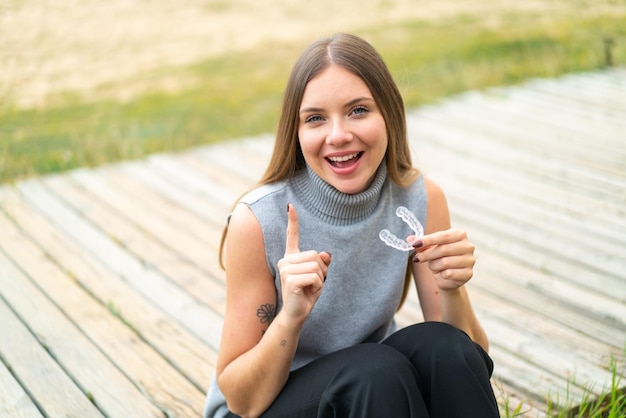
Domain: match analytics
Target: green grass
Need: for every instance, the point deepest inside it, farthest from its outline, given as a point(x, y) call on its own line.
point(239, 94)
point(611, 404)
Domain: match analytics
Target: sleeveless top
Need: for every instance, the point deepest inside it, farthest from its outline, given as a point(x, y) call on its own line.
point(365, 279)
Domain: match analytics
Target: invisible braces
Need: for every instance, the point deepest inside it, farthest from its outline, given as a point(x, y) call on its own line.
point(411, 220)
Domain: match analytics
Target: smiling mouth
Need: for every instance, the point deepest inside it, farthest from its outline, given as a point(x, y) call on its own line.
point(344, 160)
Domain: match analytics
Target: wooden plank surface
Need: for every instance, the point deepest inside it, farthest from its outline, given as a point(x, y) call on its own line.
point(15, 401)
point(111, 297)
point(28, 358)
point(102, 383)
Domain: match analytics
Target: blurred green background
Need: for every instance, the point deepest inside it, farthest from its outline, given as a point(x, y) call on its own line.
point(236, 93)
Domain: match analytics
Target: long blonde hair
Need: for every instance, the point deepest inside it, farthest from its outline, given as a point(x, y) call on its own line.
point(359, 57)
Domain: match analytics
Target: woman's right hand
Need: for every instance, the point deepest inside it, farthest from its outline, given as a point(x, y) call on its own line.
point(302, 274)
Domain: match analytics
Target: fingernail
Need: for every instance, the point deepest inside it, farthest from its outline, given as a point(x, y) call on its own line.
point(416, 259)
point(287, 207)
point(417, 244)
point(329, 254)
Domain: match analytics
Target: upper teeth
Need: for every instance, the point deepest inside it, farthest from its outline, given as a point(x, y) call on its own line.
point(344, 157)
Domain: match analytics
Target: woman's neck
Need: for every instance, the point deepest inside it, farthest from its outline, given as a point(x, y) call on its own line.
point(333, 206)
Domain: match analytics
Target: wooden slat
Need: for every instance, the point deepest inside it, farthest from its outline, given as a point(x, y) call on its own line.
point(528, 381)
point(518, 286)
point(513, 113)
point(503, 189)
point(514, 404)
point(204, 208)
point(567, 284)
point(529, 165)
point(196, 316)
point(42, 377)
point(164, 243)
point(181, 175)
point(480, 203)
point(541, 335)
point(192, 357)
point(157, 379)
point(215, 173)
point(103, 382)
point(246, 158)
point(547, 354)
point(14, 401)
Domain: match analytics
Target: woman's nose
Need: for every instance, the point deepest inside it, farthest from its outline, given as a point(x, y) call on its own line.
point(339, 133)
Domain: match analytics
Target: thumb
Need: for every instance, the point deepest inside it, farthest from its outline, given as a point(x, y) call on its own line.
point(326, 257)
point(293, 236)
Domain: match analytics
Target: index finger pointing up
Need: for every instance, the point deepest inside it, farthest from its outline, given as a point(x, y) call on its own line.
point(293, 236)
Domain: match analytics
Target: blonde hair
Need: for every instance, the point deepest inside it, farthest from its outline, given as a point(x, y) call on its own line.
point(359, 57)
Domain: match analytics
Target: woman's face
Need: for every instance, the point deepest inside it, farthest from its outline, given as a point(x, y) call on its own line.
point(341, 130)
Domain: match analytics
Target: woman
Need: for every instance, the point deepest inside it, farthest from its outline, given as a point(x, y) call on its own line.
point(310, 334)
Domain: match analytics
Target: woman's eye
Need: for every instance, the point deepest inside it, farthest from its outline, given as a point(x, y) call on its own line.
point(313, 119)
point(360, 110)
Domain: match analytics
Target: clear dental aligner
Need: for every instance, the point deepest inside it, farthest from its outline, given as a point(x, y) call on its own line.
point(411, 220)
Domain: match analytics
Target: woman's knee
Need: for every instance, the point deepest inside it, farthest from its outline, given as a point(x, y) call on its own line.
point(430, 335)
point(375, 363)
point(439, 343)
point(446, 339)
point(374, 369)
point(375, 380)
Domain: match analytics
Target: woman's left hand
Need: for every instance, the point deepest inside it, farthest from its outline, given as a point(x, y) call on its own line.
point(448, 254)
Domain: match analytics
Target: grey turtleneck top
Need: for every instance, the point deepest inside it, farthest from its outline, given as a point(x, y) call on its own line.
point(365, 280)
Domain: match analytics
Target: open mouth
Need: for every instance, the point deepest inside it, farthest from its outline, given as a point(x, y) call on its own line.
point(344, 160)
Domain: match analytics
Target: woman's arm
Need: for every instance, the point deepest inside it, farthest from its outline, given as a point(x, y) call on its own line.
point(257, 349)
point(443, 263)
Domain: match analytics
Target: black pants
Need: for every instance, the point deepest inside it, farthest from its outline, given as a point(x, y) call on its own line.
point(425, 370)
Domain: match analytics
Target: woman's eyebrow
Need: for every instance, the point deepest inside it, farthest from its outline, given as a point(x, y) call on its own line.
point(310, 109)
point(358, 100)
point(348, 104)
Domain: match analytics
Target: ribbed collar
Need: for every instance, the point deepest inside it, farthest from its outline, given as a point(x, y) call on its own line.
point(333, 206)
